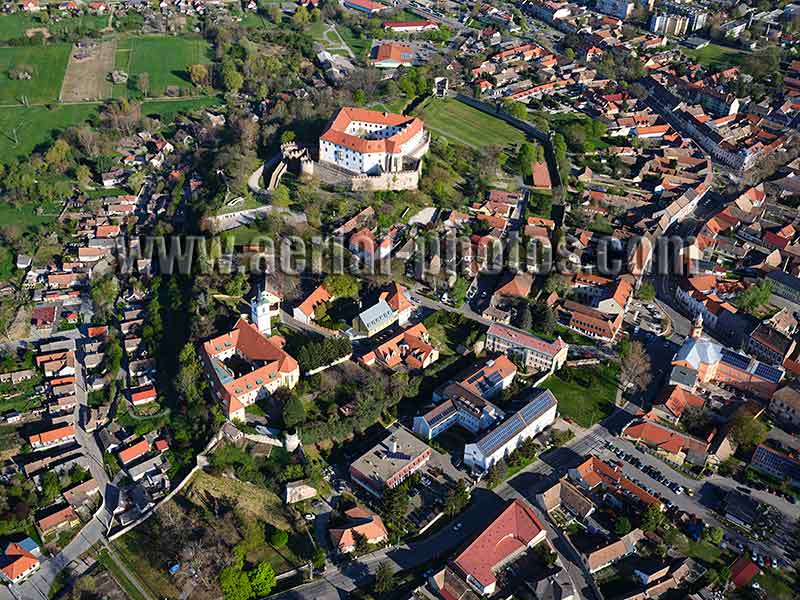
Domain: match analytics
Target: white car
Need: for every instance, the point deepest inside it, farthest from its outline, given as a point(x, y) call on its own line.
point(309, 517)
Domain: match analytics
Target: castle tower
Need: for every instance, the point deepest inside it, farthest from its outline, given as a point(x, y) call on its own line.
point(260, 311)
point(697, 327)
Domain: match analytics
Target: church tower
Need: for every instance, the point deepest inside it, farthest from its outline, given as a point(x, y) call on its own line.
point(260, 314)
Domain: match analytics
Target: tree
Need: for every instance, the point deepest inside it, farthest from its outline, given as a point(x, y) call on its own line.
point(319, 558)
point(359, 97)
point(570, 54)
point(647, 292)
point(622, 526)
point(287, 136)
point(294, 413)
point(279, 538)
point(555, 283)
point(754, 297)
point(517, 110)
point(342, 285)
point(713, 535)
point(231, 78)
point(143, 83)
point(384, 579)
point(652, 518)
point(301, 16)
point(361, 543)
point(275, 14)
point(635, 370)
point(51, 486)
point(545, 554)
point(84, 176)
point(280, 196)
point(262, 579)
point(57, 154)
point(747, 431)
point(198, 74)
point(456, 499)
point(104, 293)
point(235, 584)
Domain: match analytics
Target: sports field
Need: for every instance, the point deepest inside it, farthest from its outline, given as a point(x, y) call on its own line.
point(466, 125)
point(164, 58)
point(48, 64)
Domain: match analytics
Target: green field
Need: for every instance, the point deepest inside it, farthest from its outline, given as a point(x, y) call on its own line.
point(164, 59)
point(585, 394)
point(14, 26)
point(714, 55)
point(48, 63)
point(466, 125)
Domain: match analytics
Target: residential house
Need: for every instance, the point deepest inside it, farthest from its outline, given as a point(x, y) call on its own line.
point(770, 345)
point(134, 451)
point(410, 348)
point(56, 521)
point(785, 404)
point(19, 561)
point(52, 437)
point(608, 554)
point(360, 522)
point(776, 464)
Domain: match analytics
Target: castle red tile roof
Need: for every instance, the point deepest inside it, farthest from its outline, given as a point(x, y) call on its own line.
point(337, 131)
point(511, 532)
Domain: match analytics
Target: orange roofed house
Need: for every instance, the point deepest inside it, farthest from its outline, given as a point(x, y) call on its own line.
point(391, 55)
point(410, 348)
point(244, 365)
point(506, 538)
point(19, 560)
point(360, 521)
point(368, 142)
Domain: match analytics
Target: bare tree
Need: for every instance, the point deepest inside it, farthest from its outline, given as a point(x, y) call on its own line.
point(635, 367)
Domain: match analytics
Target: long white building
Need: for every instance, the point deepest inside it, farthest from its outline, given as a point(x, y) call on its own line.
point(538, 414)
point(369, 142)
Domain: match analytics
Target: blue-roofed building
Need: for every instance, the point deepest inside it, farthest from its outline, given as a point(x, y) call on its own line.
point(776, 464)
point(537, 414)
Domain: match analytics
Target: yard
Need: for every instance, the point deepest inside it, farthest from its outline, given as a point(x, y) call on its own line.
point(586, 394)
point(14, 26)
point(466, 125)
point(164, 59)
point(715, 56)
point(46, 66)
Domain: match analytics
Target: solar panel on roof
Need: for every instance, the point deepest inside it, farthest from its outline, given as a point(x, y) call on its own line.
point(768, 372)
point(537, 406)
point(501, 435)
point(734, 359)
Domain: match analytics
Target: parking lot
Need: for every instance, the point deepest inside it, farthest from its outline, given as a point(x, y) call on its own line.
point(774, 537)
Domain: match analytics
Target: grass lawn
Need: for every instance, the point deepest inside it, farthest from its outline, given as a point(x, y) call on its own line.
point(164, 58)
point(466, 125)
point(588, 395)
point(84, 24)
point(359, 46)
point(716, 56)
point(48, 63)
point(14, 26)
point(778, 585)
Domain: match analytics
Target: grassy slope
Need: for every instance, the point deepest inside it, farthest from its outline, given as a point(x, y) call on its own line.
point(464, 124)
point(49, 64)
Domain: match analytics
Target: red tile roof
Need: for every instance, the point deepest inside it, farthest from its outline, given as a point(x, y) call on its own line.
point(396, 296)
point(743, 571)
point(677, 400)
point(394, 52)
point(336, 133)
point(131, 453)
point(20, 561)
point(541, 176)
point(57, 518)
point(314, 299)
point(52, 435)
point(511, 532)
point(145, 395)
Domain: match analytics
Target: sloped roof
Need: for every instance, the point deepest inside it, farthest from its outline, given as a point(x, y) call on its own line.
point(362, 522)
point(20, 560)
point(677, 399)
point(131, 453)
point(515, 528)
point(526, 340)
point(337, 132)
point(743, 571)
point(314, 299)
point(698, 351)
